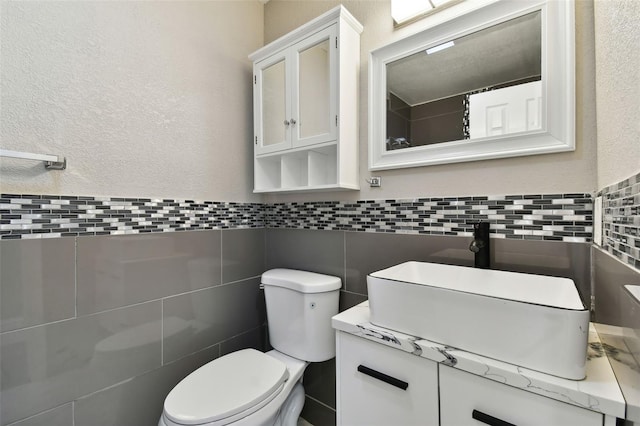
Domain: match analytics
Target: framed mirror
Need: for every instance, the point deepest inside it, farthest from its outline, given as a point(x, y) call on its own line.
point(496, 82)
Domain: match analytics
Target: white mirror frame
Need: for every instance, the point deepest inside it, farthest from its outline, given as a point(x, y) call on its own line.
point(558, 89)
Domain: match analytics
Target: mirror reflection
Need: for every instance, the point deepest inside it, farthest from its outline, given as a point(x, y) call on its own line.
point(484, 84)
point(314, 90)
point(274, 103)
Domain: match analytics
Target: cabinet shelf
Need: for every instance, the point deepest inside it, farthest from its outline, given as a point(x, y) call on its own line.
point(302, 170)
point(319, 188)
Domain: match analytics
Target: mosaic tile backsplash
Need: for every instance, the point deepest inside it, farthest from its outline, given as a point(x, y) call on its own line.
point(560, 217)
point(621, 220)
point(45, 216)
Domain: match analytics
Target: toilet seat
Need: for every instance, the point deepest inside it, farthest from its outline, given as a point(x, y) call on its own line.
point(226, 389)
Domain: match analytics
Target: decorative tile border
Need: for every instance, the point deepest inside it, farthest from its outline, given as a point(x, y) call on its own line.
point(621, 220)
point(559, 217)
point(45, 216)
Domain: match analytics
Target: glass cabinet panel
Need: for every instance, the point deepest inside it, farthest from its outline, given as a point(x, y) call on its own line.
point(314, 90)
point(274, 107)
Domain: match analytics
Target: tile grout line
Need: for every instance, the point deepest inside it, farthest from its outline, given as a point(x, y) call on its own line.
point(344, 259)
point(221, 256)
point(48, 410)
point(75, 275)
point(160, 299)
point(161, 332)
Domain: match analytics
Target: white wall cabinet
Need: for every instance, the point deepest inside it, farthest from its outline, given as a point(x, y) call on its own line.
point(305, 107)
point(435, 394)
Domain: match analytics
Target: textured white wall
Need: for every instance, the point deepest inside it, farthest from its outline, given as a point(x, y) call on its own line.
point(617, 24)
point(145, 99)
point(552, 173)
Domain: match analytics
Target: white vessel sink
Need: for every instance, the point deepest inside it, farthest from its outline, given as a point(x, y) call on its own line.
point(533, 321)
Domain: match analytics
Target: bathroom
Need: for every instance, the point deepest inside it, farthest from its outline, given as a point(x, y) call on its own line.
point(151, 103)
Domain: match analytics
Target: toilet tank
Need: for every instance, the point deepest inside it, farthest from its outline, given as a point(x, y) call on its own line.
point(300, 305)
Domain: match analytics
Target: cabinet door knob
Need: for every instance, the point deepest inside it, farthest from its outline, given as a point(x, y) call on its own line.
point(489, 420)
point(293, 121)
point(383, 377)
point(286, 122)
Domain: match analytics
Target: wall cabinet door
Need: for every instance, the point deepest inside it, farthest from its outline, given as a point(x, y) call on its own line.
point(466, 399)
point(272, 107)
point(314, 90)
point(379, 385)
point(295, 100)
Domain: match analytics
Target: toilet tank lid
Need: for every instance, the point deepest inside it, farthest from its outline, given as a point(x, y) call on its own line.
point(302, 281)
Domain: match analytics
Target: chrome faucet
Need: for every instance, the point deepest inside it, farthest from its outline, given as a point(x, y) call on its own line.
point(480, 245)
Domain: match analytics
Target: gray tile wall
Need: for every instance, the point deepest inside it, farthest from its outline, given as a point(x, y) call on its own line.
point(116, 271)
point(192, 321)
point(97, 330)
point(612, 299)
point(353, 255)
point(201, 287)
point(38, 282)
point(62, 415)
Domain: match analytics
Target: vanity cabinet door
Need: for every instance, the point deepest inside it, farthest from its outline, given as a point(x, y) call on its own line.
point(379, 385)
point(466, 399)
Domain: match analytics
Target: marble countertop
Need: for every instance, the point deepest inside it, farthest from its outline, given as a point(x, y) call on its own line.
point(622, 346)
point(599, 391)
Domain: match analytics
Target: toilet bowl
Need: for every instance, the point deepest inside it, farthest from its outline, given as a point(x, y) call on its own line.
point(259, 404)
point(249, 387)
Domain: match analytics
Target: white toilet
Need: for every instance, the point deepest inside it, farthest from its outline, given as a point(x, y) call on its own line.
point(249, 387)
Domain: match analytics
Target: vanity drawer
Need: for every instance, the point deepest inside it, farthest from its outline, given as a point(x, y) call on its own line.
point(379, 385)
point(466, 399)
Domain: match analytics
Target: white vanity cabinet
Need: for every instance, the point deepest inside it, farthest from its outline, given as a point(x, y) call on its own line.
point(378, 385)
point(466, 399)
point(305, 107)
point(381, 385)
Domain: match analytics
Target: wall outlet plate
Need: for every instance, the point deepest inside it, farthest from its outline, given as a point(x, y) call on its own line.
point(375, 181)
